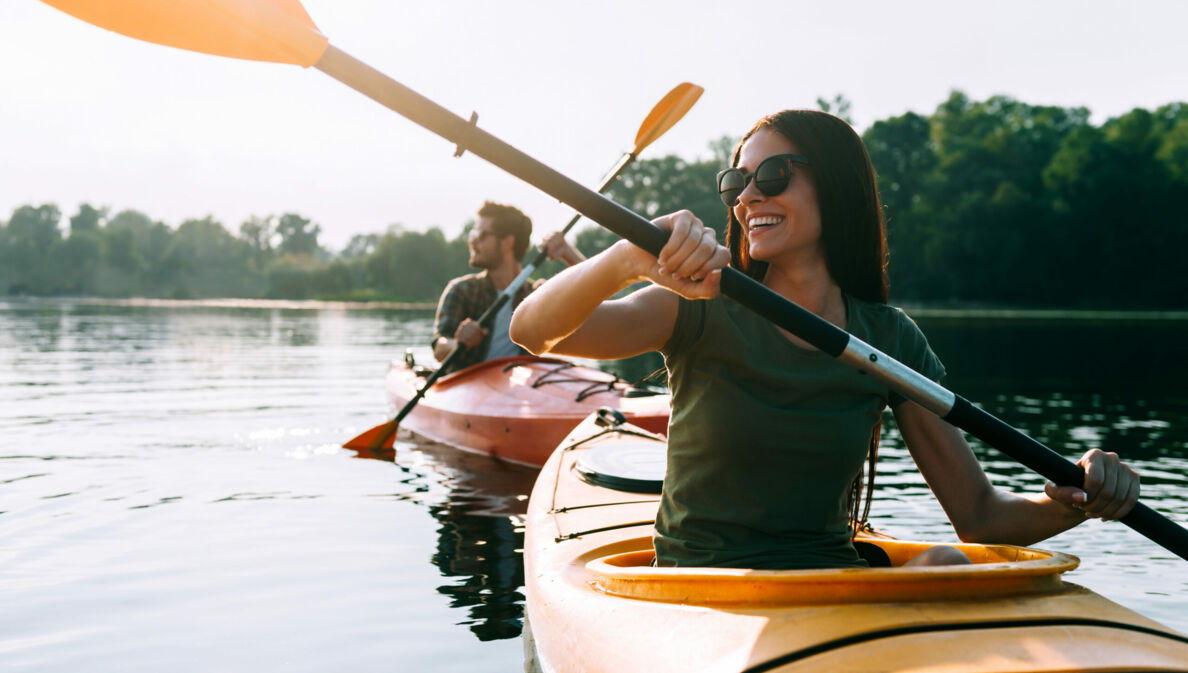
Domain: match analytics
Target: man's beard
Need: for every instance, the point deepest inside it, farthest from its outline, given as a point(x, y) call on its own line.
point(478, 261)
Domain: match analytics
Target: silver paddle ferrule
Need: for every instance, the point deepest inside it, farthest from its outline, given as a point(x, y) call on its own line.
point(898, 376)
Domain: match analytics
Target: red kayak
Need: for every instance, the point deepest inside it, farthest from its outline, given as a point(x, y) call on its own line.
point(518, 408)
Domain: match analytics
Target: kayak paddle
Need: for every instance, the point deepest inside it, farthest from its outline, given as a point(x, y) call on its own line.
point(281, 31)
point(663, 116)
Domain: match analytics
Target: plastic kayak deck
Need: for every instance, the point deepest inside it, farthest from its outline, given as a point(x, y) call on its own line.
point(518, 408)
point(595, 603)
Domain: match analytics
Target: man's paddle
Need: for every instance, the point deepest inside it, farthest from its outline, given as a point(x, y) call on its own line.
point(663, 116)
point(281, 31)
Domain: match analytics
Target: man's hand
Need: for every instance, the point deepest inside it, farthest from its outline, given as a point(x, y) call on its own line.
point(470, 333)
point(557, 247)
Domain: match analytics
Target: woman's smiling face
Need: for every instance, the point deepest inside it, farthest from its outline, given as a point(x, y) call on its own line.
point(787, 224)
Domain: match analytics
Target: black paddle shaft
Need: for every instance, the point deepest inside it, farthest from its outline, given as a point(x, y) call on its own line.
point(736, 285)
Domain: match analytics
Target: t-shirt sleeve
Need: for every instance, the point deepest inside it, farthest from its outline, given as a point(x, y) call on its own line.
point(449, 311)
point(915, 352)
point(690, 322)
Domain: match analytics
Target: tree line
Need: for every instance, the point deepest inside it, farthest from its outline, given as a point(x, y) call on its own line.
point(994, 202)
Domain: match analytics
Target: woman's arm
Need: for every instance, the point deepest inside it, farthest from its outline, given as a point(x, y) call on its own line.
point(570, 314)
point(981, 513)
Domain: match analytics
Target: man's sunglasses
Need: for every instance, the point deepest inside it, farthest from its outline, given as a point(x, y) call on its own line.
point(771, 176)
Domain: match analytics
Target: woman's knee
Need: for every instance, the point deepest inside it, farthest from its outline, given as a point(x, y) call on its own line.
point(940, 555)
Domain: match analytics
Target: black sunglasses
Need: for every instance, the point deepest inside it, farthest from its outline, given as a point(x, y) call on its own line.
point(771, 176)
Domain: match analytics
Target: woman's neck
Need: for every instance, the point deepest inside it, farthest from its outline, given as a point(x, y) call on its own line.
point(811, 287)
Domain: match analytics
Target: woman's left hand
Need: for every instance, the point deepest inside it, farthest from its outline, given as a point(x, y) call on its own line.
point(1110, 490)
point(691, 261)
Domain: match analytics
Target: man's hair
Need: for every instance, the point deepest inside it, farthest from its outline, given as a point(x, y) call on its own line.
point(509, 221)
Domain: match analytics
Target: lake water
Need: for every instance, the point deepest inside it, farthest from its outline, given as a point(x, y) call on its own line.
point(173, 495)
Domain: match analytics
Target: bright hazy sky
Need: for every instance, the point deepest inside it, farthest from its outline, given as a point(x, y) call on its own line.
point(87, 115)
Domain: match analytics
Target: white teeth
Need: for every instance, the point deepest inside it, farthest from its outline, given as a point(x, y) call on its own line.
point(763, 221)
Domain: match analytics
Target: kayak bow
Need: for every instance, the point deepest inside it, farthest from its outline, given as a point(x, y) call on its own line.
point(518, 408)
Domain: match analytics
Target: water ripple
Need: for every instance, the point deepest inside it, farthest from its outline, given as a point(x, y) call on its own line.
point(277, 545)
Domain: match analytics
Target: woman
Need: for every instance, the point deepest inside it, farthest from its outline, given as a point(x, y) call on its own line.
point(768, 435)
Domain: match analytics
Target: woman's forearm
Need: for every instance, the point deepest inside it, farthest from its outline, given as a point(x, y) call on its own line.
point(560, 306)
point(1011, 518)
point(570, 314)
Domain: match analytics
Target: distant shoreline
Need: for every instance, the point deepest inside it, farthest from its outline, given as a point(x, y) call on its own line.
point(918, 312)
point(232, 302)
point(1042, 314)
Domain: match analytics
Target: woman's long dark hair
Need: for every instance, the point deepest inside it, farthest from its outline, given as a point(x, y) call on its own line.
point(853, 232)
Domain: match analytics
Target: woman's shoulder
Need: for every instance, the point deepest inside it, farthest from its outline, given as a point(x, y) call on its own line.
point(881, 321)
point(875, 310)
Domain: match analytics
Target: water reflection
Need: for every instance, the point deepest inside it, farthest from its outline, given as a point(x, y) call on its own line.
point(479, 503)
point(1074, 385)
point(1086, 356)
point(239, 411)
point(483, 554)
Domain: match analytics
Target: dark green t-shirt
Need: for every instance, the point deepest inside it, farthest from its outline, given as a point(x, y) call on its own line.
point(766, 437)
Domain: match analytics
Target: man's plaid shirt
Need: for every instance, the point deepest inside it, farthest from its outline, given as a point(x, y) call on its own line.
point(468, 297)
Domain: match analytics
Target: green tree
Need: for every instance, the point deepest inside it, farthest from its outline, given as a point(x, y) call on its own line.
point(905, 160)
point(1118, 205)
point(123, 268)
point(990, 227)
point(210, 262)
point(412, 265)
point(136, 257)
point(31, 235)
point(339, 279)
point(1173, 150)
point(839, 106)
point(722, 151)
point(993, 202)
point(36, 226)
point(654, 187)
point(77, 261)
point(298, 235)
point(257, 233)
point(361, 245)
point(87, 218)
point(291, 277)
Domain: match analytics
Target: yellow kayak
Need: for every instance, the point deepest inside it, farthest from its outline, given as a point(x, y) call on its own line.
point(595, 603)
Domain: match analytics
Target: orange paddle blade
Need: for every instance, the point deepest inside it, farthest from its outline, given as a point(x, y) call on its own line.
point(367, 441)
point(278, 31)
point(667, 112)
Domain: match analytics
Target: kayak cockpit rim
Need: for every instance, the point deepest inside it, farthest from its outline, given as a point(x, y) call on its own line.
point(624, 569)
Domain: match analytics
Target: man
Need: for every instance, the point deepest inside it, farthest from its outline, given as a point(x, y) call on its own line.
point(498, 242)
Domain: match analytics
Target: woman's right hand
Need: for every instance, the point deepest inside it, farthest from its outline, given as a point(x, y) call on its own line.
point(691, 261)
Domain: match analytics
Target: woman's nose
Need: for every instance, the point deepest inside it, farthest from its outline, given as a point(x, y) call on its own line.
point(750, 193)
